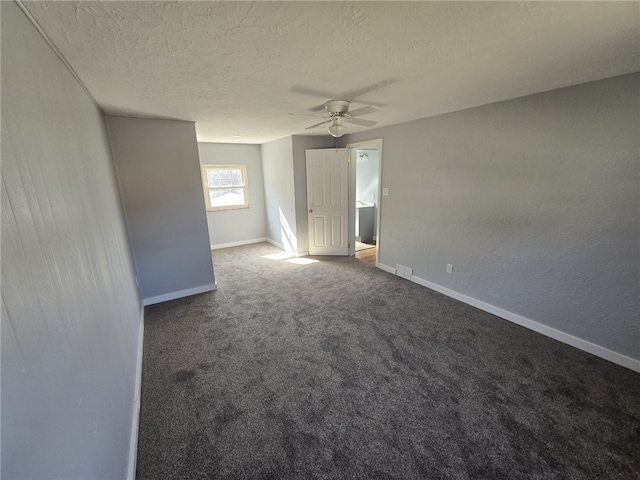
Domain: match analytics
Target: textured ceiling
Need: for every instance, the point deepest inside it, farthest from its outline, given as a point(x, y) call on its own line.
point(238, 68)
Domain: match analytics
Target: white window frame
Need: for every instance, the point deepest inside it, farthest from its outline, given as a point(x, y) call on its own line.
point(207, 188)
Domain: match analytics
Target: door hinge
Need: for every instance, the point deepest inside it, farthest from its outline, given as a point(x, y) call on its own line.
point(348, 245)
point(349, 159)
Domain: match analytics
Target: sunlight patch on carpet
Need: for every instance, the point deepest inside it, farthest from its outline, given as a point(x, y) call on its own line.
point(290, 258)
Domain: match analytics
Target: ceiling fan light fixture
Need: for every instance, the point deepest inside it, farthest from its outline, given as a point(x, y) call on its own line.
point(336, 129)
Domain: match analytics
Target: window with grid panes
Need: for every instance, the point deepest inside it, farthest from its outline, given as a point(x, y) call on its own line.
point(225, 187)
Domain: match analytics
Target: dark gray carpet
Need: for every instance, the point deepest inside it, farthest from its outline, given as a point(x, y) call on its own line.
point(336, 369)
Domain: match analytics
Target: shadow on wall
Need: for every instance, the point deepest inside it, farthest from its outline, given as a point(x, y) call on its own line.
point(289, 240)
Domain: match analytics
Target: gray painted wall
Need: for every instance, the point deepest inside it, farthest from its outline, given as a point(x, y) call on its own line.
point(300, 145)
point(236, 226)
point(280, 202)
point(71, 312)
point(534, 201)
point(159, 172)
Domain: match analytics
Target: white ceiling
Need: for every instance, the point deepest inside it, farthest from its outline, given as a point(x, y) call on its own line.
point(238, 68)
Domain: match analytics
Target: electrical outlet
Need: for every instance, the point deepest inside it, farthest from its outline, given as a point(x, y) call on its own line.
point(385, 191)
point(404, 272)
point(449, 268)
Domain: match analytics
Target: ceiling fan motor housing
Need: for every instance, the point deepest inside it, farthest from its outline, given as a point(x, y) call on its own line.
point(337, 107)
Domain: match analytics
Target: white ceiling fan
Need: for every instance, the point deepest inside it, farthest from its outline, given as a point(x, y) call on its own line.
point(337, 113)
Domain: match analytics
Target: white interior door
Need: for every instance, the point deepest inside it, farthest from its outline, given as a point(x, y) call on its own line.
point(327, 201)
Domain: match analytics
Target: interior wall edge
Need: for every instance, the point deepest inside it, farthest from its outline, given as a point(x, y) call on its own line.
point(180, 294)
point(275, 244)
point(238, 243)
point(57, 52)
point(134, 261)
point(135, 422)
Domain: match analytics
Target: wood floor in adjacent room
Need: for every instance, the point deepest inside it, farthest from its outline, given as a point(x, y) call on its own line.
point(366, 252)
point(368, 255)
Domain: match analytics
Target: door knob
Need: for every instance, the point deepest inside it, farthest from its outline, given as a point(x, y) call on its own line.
point(311, 210)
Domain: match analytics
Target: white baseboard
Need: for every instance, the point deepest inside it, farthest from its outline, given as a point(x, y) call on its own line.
point(135, 419)
point(281, 247)
point(584, 345)
point(386, 268)
point(275, 244)
point(180, 294)
point(238, 243)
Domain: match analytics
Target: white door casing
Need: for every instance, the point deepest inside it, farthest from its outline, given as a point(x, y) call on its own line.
point(327, 201)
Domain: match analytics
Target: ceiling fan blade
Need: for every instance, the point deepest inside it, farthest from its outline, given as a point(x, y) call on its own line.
point(371, 88)
point(362, 111)
point(307, 114)
point(348, 96)
point(318, 108)
point(318, 124)
point(364, 123)
point(312, 92)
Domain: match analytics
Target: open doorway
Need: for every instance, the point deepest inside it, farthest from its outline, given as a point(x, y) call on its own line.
point(365, 200)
